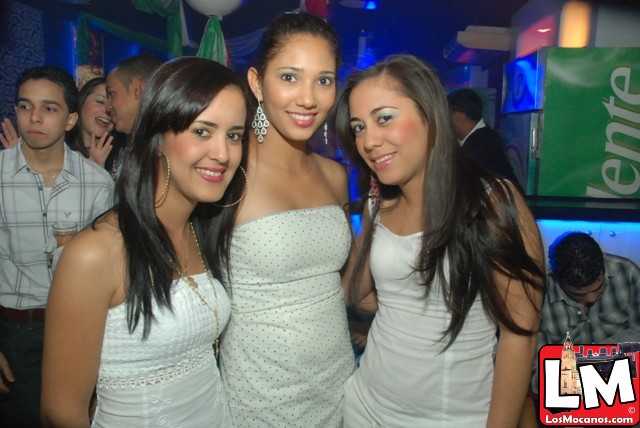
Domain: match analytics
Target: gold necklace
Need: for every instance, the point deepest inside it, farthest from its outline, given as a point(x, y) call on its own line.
point(193, 285)
point(50, 176)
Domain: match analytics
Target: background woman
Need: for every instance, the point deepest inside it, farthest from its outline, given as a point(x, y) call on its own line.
point(448, 256)
point(94, 136)
point(286, 352)
point(94, 123)
point(143, 324)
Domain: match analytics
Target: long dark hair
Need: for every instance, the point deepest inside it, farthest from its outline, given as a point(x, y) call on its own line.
point(175, 95)
point(469, 216)
point(75, 135)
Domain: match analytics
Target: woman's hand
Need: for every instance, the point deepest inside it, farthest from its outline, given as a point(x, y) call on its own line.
point(6, 372)
point(9, 136)
point(100, 148)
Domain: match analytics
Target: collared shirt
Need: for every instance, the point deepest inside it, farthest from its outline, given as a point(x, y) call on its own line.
point(616, 309)
point(81, 192)
point(481, 124)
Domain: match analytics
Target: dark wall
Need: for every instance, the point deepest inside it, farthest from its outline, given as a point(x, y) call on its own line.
point(21, 46)
point(41, 32)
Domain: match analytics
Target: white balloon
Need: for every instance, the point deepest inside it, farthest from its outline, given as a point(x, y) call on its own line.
point(214, 7)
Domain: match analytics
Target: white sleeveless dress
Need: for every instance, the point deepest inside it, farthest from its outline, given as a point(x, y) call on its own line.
point(286, 352)
point(171, 378)
point(405, 379)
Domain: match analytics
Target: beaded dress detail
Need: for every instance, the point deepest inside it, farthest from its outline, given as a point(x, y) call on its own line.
point(287, 352)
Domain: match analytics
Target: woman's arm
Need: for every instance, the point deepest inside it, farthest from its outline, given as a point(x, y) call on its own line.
point(515, 353)
point(366, 298)
point(81, 294)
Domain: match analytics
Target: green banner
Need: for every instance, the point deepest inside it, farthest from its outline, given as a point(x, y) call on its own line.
point(590, 143)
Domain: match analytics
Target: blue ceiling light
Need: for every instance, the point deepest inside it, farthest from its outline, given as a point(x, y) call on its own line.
point(360, 4)
point(371, 5)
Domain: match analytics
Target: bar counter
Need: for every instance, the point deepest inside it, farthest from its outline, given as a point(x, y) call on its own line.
point(586, 209)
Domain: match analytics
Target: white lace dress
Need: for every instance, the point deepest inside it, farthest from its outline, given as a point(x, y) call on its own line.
point(171, 378)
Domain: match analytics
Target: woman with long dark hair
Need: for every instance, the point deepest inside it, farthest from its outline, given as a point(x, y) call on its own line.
point(135, 303)
point(94, 122)
point(286, 353)
point(450, 260)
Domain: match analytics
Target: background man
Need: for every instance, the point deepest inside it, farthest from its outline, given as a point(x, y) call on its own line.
point(42, 181)
point(593, 296)
point(125, 84)
point(478, 141)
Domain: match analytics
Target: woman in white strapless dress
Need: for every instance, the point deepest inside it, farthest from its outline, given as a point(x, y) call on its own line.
point(134, 303)
point(449, 257)
point(286, 352)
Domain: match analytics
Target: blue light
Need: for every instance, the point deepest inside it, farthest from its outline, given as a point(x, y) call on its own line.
point(356, 223)
point(371, 5)
point(523, 84)
point(619, 238)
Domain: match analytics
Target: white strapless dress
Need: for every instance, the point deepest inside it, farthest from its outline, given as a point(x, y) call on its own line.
point(286, 352)
point(406, 378)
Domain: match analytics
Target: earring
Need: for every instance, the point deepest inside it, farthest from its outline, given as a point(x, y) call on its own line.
point(244, 191)
point(164, 193)
point(260, 123)
point(374, 190)
point(326, 140)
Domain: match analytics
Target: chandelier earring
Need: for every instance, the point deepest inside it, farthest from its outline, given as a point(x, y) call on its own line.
point(326, 140)
point(244, 192)
point(165, 190)
point(260, 123)
point(374, 190)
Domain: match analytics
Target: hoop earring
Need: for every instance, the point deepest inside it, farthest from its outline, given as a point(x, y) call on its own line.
point(244, 192)
point(163, 195)
point(260, 123)
point(326, 140)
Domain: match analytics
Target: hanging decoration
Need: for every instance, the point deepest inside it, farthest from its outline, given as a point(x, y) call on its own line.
point(212, 45)
point(214, 7)
point(86, 20)
point(172, 10)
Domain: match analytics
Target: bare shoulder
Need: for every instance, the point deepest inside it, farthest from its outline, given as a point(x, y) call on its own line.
point(329, 165)
point(503, 198)
point(94, 256)
point(335, 175)
point(96, 243)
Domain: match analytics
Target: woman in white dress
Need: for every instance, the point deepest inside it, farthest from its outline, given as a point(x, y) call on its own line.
point(450, 255)
point(134, 308)
point(286, 352)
